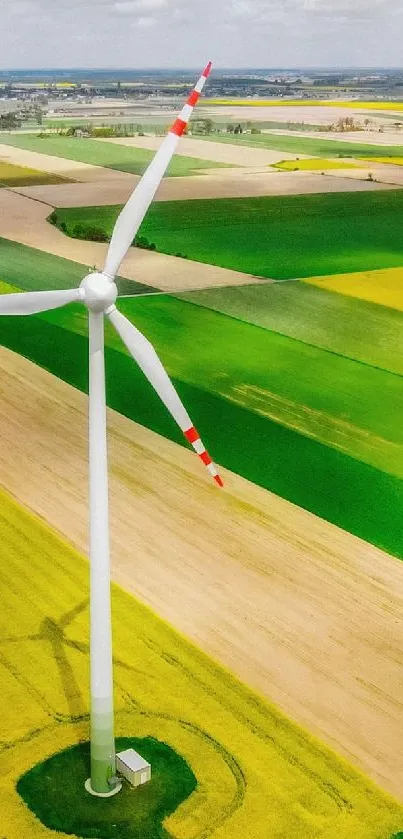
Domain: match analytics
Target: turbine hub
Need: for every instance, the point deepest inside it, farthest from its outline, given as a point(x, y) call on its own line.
point(100, 291)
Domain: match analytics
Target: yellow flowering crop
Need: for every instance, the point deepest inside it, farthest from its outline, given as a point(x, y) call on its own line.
point(337, 103)
point(259, 775)
point(383, 286)
point(313, 163)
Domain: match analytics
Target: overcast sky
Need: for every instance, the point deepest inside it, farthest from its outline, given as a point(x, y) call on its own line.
point(184, 33)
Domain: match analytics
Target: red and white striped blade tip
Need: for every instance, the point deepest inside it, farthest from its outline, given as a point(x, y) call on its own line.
point(181, 123)
point(193, 438)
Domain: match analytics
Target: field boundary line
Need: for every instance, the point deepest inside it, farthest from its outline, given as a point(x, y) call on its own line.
point(15, 191)
point(277, 332)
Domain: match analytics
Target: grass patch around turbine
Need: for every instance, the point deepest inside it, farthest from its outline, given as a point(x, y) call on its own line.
point(54, 792)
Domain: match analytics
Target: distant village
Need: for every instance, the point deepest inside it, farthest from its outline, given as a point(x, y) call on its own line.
point(32, 96)
point(45, 89)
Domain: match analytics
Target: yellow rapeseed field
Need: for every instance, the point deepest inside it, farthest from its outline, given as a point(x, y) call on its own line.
point(311, 164)
point(11, 175)
point(338, 103)
point(383, 286)
point(395, 161)
point(259, 775)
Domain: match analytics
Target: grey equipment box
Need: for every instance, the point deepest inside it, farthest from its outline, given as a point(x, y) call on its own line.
point(133, 767)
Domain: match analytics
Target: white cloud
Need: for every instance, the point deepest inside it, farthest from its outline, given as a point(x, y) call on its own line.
point(352, 9)
point(151, 5)
point(146, 22)
point(21, 7)
point(264, 33)
point(181, 15)
point(242, 8)
point(136, 7)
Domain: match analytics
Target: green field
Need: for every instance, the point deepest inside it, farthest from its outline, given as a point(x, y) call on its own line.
point(307, 145)
point(281, 237)
point(157, 124)
point(274, 376)
point(257, 773)
point(353, 328)
point(135, 123)
point(34, 270)
point(264, 390)
point(111, 155)
point(55, 793)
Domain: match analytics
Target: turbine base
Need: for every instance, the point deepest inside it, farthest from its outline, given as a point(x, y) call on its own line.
point(114, 791)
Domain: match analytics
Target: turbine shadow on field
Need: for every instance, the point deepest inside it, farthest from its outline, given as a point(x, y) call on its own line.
point(55, 633)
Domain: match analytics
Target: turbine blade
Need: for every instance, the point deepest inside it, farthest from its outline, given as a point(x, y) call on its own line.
point(31, 302)
point(144, 354)
point(133, 213)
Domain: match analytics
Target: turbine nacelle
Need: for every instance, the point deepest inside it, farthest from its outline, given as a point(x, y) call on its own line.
point(99, 291)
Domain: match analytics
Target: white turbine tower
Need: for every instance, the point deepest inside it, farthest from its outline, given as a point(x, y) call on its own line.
point(98, 293)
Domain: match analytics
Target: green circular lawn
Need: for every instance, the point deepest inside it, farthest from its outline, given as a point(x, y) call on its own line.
point(54, 791)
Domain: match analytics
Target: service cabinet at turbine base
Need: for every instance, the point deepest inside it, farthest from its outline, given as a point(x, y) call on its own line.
point(133, 767)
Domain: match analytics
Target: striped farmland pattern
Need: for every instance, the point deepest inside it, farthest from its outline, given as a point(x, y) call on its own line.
point(125, 229)
point(129, 220)
point(147, 359)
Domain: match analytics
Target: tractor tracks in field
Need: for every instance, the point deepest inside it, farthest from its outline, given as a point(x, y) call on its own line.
point(233, 765)
point(329, 789)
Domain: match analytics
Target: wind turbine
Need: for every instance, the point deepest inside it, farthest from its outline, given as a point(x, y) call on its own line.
point(98, 293)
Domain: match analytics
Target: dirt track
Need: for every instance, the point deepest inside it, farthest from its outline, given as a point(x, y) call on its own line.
point(209, 150)
point(97, 185)
point(320, 114)
point(24, 220)
point(370, 138)
point(63, 167)
point(230, 183)
point(386, 174)
point(305, 613)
